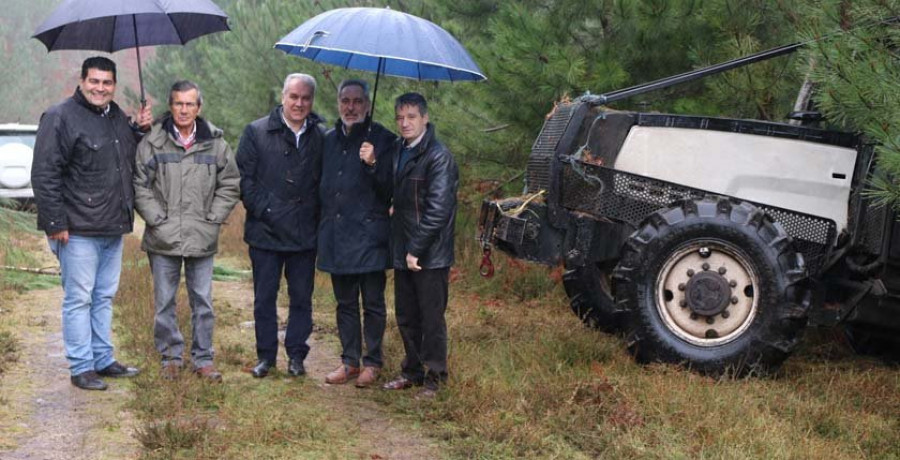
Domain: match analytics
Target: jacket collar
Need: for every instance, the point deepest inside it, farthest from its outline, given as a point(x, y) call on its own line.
point(358, 130)
point(81, 100)
point(162, 129)
point(417, 151)
point(275, 122)
point(424, 144)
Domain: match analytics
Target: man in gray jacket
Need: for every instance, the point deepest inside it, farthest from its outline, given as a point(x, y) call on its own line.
point(185, 185)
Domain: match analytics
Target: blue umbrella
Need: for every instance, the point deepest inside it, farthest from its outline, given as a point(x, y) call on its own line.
point(113, 25)
point(382, 41)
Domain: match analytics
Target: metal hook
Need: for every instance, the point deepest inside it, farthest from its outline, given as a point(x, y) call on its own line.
point(315, 35)
point(486, 269)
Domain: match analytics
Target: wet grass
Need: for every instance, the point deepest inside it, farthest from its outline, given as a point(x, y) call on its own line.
point(527, 380)
point(17, 239)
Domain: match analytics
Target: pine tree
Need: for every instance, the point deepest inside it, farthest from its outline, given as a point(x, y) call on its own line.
point(854, 48)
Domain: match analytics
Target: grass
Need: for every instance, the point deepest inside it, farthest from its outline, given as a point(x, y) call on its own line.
point(526, 381)
point(18, 235)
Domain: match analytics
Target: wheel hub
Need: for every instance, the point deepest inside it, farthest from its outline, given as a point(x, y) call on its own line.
point(707, 293)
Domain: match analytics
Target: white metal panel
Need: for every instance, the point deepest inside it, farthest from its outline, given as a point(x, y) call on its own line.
point(797, 175)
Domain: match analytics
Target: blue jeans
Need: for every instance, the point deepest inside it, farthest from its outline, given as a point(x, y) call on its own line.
point(90, 278)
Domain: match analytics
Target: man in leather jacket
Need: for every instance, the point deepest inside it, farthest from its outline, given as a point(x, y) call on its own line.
point(280, 160)
point(354, 228)
point(81, 175)
point(426, 179)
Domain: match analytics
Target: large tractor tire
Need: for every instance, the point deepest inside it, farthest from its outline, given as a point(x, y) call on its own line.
point(590, 294)
point(714, 285)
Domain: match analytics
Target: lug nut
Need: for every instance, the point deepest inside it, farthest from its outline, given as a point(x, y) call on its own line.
point(734, 300)
point(681, 286)
point(705, 266)
point(694, 316)
point(722, 270)
point(690, 273)
point(682, 304)
point(732, 283)
point(725, 314)
point(710, 320)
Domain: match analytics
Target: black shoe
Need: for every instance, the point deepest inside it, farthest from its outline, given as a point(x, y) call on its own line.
point(295, 367)
point(88, 381)
point(117, 370)
point(262, 369)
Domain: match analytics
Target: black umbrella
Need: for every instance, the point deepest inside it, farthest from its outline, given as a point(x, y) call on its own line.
point(113, 25)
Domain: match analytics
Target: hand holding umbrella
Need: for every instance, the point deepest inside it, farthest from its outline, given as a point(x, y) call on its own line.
point(367, 153)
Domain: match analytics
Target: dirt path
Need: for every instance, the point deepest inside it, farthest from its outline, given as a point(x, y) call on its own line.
point(45, 417)
point(379, 434)
point(42, 416)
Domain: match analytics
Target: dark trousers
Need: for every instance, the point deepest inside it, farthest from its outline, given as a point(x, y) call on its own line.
point(299, 272)
point(421, 301)
point(347, 290)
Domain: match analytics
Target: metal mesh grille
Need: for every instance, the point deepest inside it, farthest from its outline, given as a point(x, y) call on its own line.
point(631, 198)
point(538, 176)
point(873, 234)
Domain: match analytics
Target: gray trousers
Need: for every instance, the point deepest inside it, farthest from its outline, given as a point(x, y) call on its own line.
point(198, 273)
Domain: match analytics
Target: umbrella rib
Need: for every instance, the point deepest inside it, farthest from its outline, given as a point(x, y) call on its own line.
point(112, 36)
point(177, 31)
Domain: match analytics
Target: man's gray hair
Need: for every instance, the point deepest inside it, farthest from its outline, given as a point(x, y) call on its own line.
point(307, 80)
point(186, 85)
point(354, 82)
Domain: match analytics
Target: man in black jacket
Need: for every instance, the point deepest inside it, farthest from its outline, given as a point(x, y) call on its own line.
point(81, 174)
point(353, 232)
point(426, 179)
point(280, 160)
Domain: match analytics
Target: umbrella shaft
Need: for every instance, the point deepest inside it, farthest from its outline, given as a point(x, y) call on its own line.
point(137, 49)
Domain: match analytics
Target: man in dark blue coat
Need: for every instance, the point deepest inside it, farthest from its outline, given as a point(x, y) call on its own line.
point(426, 179)
point(280, 160)
point(355, 194)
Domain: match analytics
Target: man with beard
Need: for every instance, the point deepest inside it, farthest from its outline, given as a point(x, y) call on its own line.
point(355, 193)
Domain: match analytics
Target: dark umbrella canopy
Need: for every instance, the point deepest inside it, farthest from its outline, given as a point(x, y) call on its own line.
point(382, 41)
point(109, 25)
point(113, 25)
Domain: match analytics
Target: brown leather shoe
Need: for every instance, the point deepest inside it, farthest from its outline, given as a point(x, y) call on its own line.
point(400, 383)
point(367, 377)
point(209, 372)
point(170, 371)
point(342, 374)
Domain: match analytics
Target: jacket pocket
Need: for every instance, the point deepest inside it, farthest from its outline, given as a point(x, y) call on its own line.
point(207, 234)
point(377, 228)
